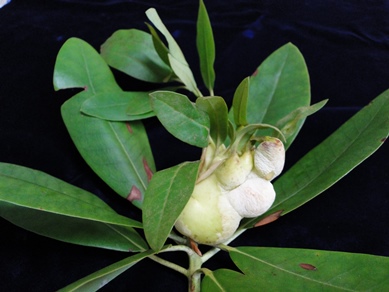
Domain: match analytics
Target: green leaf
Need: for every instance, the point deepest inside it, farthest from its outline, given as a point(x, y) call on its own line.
point(97, 280)
point(205, 47)
point(280, 86)
point(239, 103)
point(332, 159)
point(119, 106)
point(166, 197)
point(273, 269)
point(48, 206)
point(181, 117)
point(118, 152)
point(159, 45)
point(132, 52)
point(78, 65)
point(289, 124)
point(217, 110)
point(176, 58)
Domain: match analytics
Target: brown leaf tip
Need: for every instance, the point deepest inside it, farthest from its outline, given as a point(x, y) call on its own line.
point(195, 247)
point(135, 194)
point(269, 219)
point(308, 267)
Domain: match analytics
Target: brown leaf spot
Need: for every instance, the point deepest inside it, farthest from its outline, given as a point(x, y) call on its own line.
point(148, 170)
point(308, 267)
point(383, 140)
point(135, 194)
point(195, 247)
point(255, 73)
point(129, 128)
point(269, 219)
point(85, 88)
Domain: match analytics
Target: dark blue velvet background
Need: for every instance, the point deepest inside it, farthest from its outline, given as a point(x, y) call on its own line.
point(346, 47)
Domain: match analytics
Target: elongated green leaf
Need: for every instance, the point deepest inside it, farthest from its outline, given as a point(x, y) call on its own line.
point(239, 103)
point(78, 65)
point(118, 152)
point(176, 58)
point(97, 280)
point(273, 269)
point(132, 52)
point(332, 159)
point(288, 125)
point(181, 117)
point(48, 206)
point(119, 106)
point(166, 197)
point(216, 108)
point(205, 47)
point(159, 45)
point(280, 86)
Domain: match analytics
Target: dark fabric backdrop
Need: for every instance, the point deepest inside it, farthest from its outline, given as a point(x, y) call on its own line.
point(346, 47)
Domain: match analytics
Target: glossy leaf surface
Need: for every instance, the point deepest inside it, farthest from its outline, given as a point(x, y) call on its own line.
point(132, 52)
point(119, 106)
point(332, 159)
point(118, 152)
point(99, 279)
point(48, 206)
point(205, 47)
point(279, 86)
point(166, 197)
point(181, 117)
point(216, 108)
point(274, 269)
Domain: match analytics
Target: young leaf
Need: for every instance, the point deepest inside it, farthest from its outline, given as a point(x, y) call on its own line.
point(176, 58)
point(314, 270)
point(288, 125)
point(205, 47)
point(119, 106)
point(48, 206)
point(118, 152)
point(239, 103)
point(280, 86)
point(98, 279)
point(216, 108)
point(166, 197)
point(332, 159)
point(246, 134)
point(132, 52)
point(181, 117)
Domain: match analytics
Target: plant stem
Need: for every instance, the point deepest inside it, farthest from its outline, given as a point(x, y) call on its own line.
point(209, 254)
point(194, 274)
point(169, 264)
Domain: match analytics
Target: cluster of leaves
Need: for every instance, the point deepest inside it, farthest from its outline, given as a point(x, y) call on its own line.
point(105, 124)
